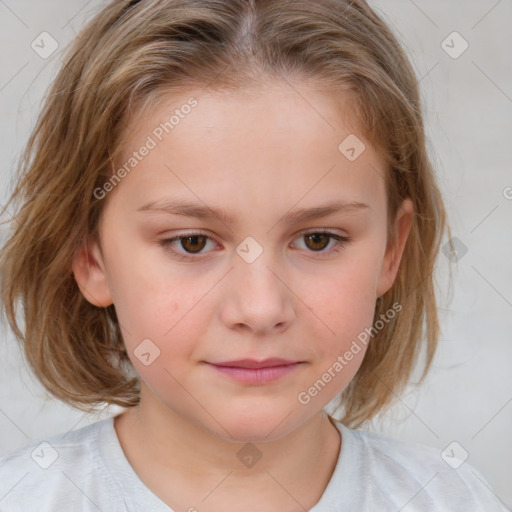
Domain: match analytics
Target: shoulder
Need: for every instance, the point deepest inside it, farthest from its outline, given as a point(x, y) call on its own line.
point(425, 477)
point(414, 457)
point(63, 472)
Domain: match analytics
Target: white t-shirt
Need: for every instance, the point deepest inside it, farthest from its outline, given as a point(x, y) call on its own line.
point(86, 470)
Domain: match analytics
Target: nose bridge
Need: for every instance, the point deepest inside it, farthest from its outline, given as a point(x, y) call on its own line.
point(258, 295)
point(257, 267)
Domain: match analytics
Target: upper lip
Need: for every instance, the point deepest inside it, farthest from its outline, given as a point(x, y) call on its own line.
point(253, 363)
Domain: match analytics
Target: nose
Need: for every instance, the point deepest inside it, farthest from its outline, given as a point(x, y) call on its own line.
point(258, 298)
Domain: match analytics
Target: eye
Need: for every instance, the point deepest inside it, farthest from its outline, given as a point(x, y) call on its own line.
point(193, 243)
point(318, 240)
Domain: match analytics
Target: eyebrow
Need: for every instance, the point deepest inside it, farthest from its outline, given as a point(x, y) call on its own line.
point(189, 209)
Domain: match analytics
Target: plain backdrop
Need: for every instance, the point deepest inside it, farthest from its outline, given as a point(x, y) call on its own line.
point(467, 96)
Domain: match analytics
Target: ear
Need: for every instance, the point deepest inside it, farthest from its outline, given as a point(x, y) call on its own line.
point(395, 247)
point(89, 270)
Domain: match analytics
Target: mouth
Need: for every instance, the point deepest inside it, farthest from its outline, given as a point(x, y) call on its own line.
point(253, 372)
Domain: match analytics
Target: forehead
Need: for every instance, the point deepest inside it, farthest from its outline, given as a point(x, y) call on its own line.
point(279, 103)
point(279, 141)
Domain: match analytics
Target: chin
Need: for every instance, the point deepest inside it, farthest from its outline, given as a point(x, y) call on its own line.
point(257, 428)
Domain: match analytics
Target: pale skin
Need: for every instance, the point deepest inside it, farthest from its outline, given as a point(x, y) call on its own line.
point(259, 154)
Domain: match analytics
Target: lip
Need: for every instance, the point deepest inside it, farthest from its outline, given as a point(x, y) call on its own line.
point(261, 372)
point(254, 363)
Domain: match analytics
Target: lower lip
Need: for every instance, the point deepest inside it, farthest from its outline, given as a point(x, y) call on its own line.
point(256, 375)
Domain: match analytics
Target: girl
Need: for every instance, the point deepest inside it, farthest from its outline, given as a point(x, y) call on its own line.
point(227, 219)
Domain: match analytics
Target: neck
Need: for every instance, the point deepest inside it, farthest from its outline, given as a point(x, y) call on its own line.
point(164, 447)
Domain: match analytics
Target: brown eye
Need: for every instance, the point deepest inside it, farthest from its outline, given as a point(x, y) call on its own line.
point(187, 245)
point(193, 244)
point(317, 241)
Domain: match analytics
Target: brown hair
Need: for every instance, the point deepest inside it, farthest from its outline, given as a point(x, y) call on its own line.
point(127, 58)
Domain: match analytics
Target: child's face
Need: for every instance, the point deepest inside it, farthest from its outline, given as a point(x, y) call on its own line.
point(259, 157)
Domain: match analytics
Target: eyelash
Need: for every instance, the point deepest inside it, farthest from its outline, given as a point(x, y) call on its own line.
point(166, 243)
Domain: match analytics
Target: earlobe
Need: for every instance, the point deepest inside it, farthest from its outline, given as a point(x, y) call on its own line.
point(395, 249)
point(89, 271)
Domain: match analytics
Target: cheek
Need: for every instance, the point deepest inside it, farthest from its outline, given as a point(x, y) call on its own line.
point(148, 299)
point(344, 303)
point(172, 313)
